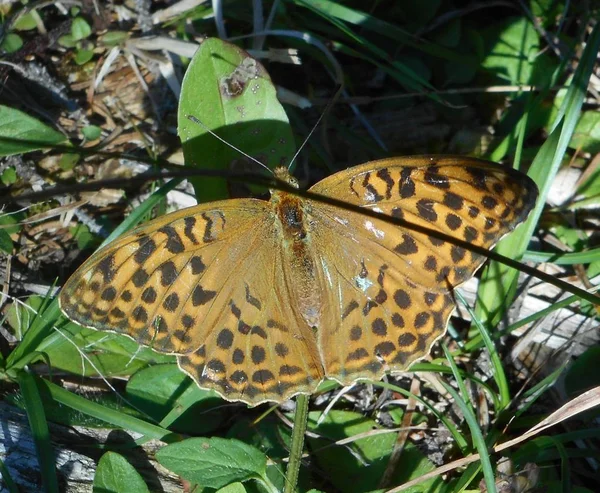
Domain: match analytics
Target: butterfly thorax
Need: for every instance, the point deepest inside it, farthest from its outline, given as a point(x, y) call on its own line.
point(289, 209)
point(292, 221)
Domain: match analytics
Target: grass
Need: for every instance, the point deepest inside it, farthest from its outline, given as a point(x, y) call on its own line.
point(392, 58)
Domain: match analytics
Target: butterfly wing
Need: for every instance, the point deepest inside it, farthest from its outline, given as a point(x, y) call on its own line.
point(389, 286)
point(201, 283)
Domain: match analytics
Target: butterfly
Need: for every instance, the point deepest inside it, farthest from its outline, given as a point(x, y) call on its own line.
point(262, 300)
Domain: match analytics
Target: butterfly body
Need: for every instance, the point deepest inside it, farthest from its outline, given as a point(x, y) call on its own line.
point(262, 300)
point(297, 252)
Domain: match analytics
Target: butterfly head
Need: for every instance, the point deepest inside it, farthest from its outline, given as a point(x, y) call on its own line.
point(283, 174)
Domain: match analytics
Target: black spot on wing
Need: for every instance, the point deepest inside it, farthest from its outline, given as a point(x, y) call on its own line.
point(200, 296)
point(406, 184)
point(408, 245)
point(106, 267)
point(146, 249)
point(252, 300)
point(168, 273)
point(174, 244)
point(426, 211)
point(435, 179)
point(188, 231)
point(384, 175)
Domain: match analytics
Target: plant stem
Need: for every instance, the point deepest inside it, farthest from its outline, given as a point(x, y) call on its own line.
point(300, 421)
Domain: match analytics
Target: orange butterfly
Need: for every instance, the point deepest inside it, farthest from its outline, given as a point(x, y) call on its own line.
point(263, 300)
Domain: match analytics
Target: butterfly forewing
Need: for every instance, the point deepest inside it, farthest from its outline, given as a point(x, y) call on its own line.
point(391, 286)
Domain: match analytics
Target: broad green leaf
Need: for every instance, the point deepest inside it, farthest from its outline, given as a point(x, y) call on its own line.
point(89, 352)
point(231, 94)
point(115, 475)
point(26, 22)
point(515, 53)
point(21, 133)
point(67, 41)
point(233, 488)
point(11, 43)
point(83, 56)
point(91, 132)
point(10, 222)
point(6, 244)
point(586, 137)
point(9, 176)
point(349, 473)
point(270, 435)
point(68, 160)
point(213, 462)
point(80, 29)
point(159, 389)
point(85, 238)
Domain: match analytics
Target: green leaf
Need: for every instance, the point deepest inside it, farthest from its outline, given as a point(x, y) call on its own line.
point(10, 222)
point(21, 315)
point(83, 56)
point(114, 38)
point(67, 41)
point(344, 468)
point(106, 414)
point(233, 488)
point(68, 161)
point(85, 238)
point(159, 389)
point(231, 94)
point(89, 352)
point(9, 176)
point(586, 137)
point(80, 29)
point(21, 133)
point(6, 244)
point(515, 54)
point(26, 22)
point(213, 462)
point(115, 475)
point(91, 132)
point(11, 43)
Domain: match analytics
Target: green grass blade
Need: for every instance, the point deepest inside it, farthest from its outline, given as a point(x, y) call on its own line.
point(559, 258)
point(498, 373)
point(112, 416)
point(39, 430)
point(471, 419)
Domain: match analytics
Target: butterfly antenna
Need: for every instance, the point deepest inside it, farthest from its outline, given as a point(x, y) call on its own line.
point(253, 159)
point(327, 108)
